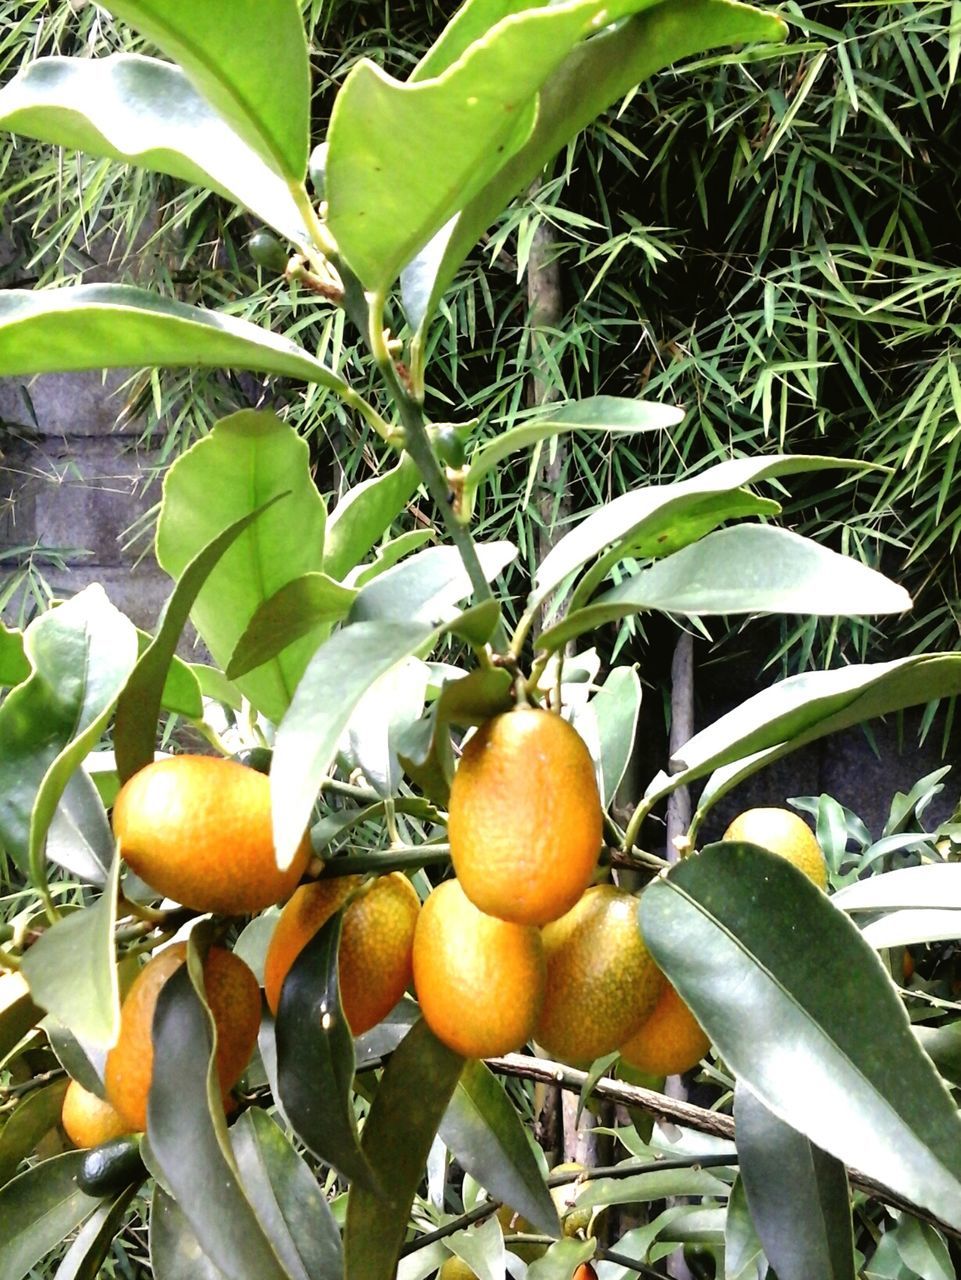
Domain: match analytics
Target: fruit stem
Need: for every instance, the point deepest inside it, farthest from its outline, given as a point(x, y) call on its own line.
point(400, 859)
point(634, 826)
point(8, 961)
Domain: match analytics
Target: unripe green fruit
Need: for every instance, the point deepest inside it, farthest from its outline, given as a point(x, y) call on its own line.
point(107, 1169)
point(267, 251)
point(258, 758)
point(450, 447)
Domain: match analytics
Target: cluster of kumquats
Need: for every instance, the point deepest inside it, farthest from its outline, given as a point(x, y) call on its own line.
point(520, 946)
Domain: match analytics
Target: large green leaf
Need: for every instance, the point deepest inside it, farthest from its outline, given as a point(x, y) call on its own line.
point(315, 1057)
point(248, 58)
point(380, 213)
point(799, 710)
point(596, 74)
point(81, 654)
point(72, 969)
point(33, 1117)
point(94, 1242)
point(561, 1260)
point(38, 1210)
point(797, 1194)
point(109, 326)
point(336, 679)
point(412, 1097)
point(307, 605)
point(803, 1012)
point(644, 522)
point(188, 1137)
point(147, 113)
point(138, 708)
point(364, 513)
point(483, 1132)
point(751, 568)
point(914, 904)
point(607, 414)
point(428, 584)
point(287, 1199)
point(14, 666)
point(247, 460)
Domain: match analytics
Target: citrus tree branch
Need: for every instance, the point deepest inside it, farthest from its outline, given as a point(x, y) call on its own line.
point(685, 1113)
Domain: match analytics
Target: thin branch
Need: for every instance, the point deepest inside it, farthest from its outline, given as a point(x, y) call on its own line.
point(685, 1113)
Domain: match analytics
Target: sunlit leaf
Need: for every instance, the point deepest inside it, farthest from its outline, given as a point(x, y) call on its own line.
point(147, 113)
point(363, 514)
point(307, 605)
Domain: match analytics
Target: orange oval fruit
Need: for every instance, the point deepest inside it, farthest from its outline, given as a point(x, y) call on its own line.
point(525, 819)
point(670, 1041)
point(198, 830)
point(234, 999)
point(783, 832)
point(456, 1268)
point(375, 960)
point(479, 980)
point(601, 979)
point(88, 1120)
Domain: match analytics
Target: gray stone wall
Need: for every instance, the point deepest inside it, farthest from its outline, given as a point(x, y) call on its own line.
point(74, 482)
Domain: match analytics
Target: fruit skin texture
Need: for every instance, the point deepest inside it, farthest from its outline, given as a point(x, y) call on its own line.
point(670, 1042)
point(234, 999)
point(88, 1120)
point(198, 830)
point(525, 817)
point(601, 980)
point(784, 833)
point(479, 980)
point(375, 961)
point(456, 1269)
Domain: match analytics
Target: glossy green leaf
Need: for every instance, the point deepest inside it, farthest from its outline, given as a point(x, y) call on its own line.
point(109, 326)
point(639, 519)
point(81, 654)
point(18, 1013)
point(410, 1102)
point(426, 586)
point(239, 75)
point(72, 969)
point(307, 605)
point(608, 414)
point(315, 1057)
point(745, 569)
point(484, 1134)
point(923, 1250)
point(364, 513)
point(90, 1250)
point(334, 682)
point(802, 709)
point(138, 708)
point(933, 886)
point(33, 1117)
point(14, 666)
point(38, 1210)
point(425, 749)
point(182, 693)
point(175, 1252)
point(286, 1197)
point(188, 1136)
point(214, 684)
point(561, 1260)
point(596, 74)
point(147, 113)
point(79, 838)
point(797, 1194)
point(608, 724)
point(743, 935)
point(388, 710)
point(249, 459)
point(83, 1063)
point(379, 217)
